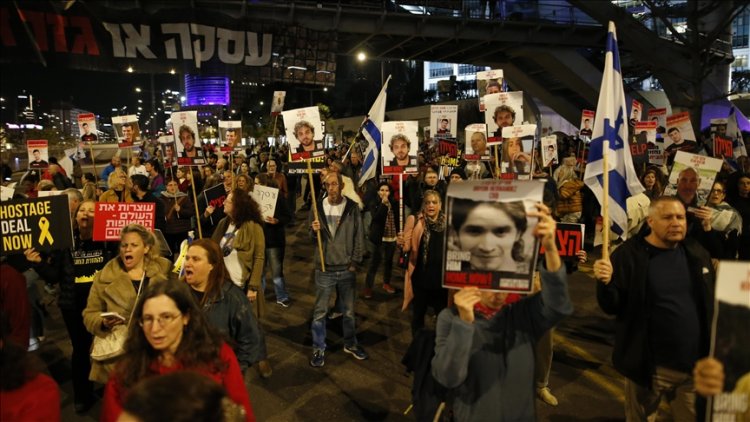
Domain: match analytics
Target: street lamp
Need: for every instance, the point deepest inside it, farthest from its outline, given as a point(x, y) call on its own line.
point(361, 56)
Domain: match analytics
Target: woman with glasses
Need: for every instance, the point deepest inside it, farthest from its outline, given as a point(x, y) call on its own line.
point(172, 335)
point(725, 220)
point(224, 305)
point(116, 286)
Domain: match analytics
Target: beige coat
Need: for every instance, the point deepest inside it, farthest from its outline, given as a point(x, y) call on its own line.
point(250, 244)
point(112, 291)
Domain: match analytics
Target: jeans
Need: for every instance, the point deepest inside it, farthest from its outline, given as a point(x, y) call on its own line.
point(325, 284)
point(642, 404)
point(275, 260)
point(383, 252)
point(33, 286)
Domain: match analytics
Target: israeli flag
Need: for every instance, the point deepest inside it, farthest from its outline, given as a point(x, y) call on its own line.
point(610, 125)
point(371, 130)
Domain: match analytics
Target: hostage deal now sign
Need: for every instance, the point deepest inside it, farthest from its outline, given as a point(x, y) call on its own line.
point(110, 218)
point(43, 224)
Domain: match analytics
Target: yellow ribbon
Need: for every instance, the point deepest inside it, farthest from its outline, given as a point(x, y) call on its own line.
point(45, 235)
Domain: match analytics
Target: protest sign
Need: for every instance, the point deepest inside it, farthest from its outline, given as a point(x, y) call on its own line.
point(569, 240)
point(692, 178)
point(6, 193)
point(230, 133)
point(723, 147)
point(38, 154)
point(399, 148)
point(300, 167)
point(639, 147)
point(111, 217)
point(474, 254)
point(587, 123)
point(127, 130)
point(489, 82)
point(658, 115)
point(476, 143)
point(549, 150)
point(187, 142)
point(503, 109)
point(304, 133)
point(515, 159)
point(214, 197)
point(87, 127)
point(680, 135)
point(277, 105)
point(636, 111)
point(729, 341)
point(42, 223)
point(168, 151)
point(656, 153)
point(266, 198)
point(445, 119)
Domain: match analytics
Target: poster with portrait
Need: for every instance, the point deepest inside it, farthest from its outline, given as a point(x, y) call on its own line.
point(692, 178)
point(38, 151)
point(549, 151)
point(87, 127)
point(444, 118)
point(490, 242)
point(679, 135)
point(230, 134)
point(586, 129)
point(503, 110)
point(515, 155)
point(303, 133)
point(186, 138)
point(127, 130)
point(659, 115)
point(730, 342)
point(399, 147)
point(476, 143)
point(277, 105)
point(636, 111)
point(489, 82)
point(168, 151)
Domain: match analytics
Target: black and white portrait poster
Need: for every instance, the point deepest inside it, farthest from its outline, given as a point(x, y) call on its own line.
point(490, 242)
point(304, 133)
point(549, 151)
point(444, 119)
point(187, 141)
point(476, 147)
point(730, 343)
point(503, 110)
point(399, 147)
point(489, 82)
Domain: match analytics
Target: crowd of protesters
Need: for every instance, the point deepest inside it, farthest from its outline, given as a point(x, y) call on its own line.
point(210, 317)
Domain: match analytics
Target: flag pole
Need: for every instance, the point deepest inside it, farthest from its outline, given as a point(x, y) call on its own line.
point(605, 200)
point(315, 214)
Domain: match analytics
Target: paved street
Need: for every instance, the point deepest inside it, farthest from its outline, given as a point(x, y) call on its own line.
point(378, 389)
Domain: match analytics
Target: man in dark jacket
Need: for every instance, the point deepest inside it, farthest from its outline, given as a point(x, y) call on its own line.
point(661, 288)
point(141, 193)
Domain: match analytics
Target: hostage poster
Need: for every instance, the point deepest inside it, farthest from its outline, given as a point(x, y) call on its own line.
point(304, 133)
point(42, 223)
point(692, 178)
point(490, 242)
point(504, 109)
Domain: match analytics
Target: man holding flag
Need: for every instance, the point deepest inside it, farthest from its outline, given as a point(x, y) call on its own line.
point(659, 284)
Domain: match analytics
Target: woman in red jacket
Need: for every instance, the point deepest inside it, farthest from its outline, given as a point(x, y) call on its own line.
point(171, 334)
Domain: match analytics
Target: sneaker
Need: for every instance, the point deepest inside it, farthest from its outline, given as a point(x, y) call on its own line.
point(367, 293)
point(284, 302)
point(389, 289)
point(318, 358)
point(265, 368)
point(546, 395)
point(33, 344)
point(356, 351)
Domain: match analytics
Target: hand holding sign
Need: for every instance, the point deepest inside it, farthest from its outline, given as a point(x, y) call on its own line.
point(465, 300)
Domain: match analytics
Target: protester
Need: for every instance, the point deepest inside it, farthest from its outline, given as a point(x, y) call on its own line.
point(75, 269)
point(142, 194)
point(170, 335)
point(179, 211)
point(484, 346)
point(741, 202)
point(114, 164)
point(274, 171)
point(116, 286)
point(725, 220)
point(651, 181)
point(339, 226)
point(225, 305)
point(275, 235)
point(118, 189)
point(662, 329)
point(383, 234)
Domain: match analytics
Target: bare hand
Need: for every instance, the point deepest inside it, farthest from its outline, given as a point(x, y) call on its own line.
point(582, 256)
point(111, 321)
point(704, 214)
point(252, 295)
point(209, 210)
point(545, 229)
point(708, 377)
point(32, 255)
point(400, 239)
point(315, 225)
point(603, 270)
point(177, 207)
point(271, 220)
point(465, 299)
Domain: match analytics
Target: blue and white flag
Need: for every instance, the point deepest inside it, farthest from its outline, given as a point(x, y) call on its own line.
point(611, 125)
point(371, 130)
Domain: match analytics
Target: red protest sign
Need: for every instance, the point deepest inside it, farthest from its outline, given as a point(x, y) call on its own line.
point(111, 217)
point(723, 147)
point(569, 240)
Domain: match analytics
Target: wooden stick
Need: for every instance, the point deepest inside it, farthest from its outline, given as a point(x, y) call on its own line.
point(314, 201)
point(605, 201)
point(401, 201)
point(195, 204)
point(93, 162)
point(497, 163)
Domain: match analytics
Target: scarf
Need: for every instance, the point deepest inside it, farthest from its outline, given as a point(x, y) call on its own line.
point(488, 312)
point(438, 226)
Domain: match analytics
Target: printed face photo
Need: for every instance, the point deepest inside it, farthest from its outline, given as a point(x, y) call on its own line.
point(687, 184)
point(675, 135)
point(231, 138)
point(127, 133)
point(37, 155)
point(503, 118)
point(444, 125)
point(479, 143)
point(305, 133)
point(400, 149)
point(187, 139)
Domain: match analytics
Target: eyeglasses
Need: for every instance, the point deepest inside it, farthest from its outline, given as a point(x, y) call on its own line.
point(719, 190)
point(163, 320)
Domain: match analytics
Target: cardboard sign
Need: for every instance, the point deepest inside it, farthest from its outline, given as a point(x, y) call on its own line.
point(503, 109)
point(38, 154)
point(448, 148)
point(111, 217)
point(399, 148)
point(230, 132)
point(266, 198)
point(587, 123)
point(476, 143)
point(692, 178)
point(517, 147)
point(127, 130)
point(445, 119)
point(304, 133)
point(187, 142)
point(569, 240)
point(549, 151)
point(42, 223)
point(474, 254)
point(277, 105)
point(215, 197)
point(636, 110)
point(489, 82)
point(87, 127)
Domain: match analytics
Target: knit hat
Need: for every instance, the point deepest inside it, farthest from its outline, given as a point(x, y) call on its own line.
point(459, 171)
